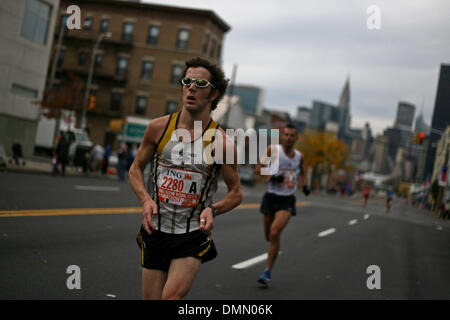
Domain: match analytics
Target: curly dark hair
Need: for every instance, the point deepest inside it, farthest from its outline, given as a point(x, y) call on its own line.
point(217, 76)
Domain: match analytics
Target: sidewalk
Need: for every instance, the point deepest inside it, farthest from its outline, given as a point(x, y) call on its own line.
point(43, 165)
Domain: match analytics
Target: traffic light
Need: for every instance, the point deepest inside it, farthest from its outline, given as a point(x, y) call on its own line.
point(421, 137)
point(92, 101)
point(418, 137)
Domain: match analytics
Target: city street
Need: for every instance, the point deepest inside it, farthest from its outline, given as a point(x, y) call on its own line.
point(50, 223)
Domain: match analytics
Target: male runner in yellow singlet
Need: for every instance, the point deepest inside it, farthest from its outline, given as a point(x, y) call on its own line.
point(178, 213)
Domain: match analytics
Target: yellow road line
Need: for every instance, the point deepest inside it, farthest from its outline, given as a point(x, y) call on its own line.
point(68, 212)
point(95, 211)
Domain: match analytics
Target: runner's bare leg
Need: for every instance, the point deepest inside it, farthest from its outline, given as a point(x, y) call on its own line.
point(181, 276)
point(153, 283)
point(279, 222)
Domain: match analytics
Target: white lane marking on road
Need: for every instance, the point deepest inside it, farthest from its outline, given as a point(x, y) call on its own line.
point(439, 228)
point(96, 188)
point(352, 222)
point(251, 262)
point(326, 232)
point(366, 216)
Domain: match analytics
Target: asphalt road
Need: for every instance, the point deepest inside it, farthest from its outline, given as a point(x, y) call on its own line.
point(326, 249)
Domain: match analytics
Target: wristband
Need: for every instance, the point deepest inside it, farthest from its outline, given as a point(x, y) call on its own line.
point(214, 210)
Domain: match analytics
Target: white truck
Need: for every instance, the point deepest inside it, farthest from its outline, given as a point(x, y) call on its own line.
point(47, 131)
point(45, 136)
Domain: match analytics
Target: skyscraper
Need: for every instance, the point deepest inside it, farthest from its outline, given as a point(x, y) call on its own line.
point(252, 98)
point(344, 103)
point(405, 115)
point(421, 125)
point(344, 99)
point(441, 117)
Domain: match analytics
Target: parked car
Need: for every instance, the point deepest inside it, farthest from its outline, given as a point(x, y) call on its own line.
point(247, 175)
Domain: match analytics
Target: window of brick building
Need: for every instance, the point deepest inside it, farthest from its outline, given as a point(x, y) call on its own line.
point(116, 101)
point(171, 106)
point(127, 31)
point(147, 70)
point(98, 60)
point(153, 34)
point(183, 39)
point(104, 24)
point(82, 58)
point(176, 73)
point(122, 64)
point(205, 43)
point(141, 105)
point(88, 22)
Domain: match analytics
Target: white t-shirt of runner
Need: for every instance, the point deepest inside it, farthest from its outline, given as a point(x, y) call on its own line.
point(289, 168)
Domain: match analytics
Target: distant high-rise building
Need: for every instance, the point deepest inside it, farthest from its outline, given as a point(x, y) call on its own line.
point(405, 115)
point(302, 118)
point(441, 117)
point(344, 102)
point(251, 97)
point(421, 125)
point(325, 116)
point(322, 113)
point(344, 99)
point(303, 114)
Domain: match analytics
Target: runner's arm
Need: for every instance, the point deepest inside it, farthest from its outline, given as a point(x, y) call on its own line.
point(231, 178)
point(263, 161)
point(143, 157)
point(234, 195)
point(136, 174)
point(303, 177)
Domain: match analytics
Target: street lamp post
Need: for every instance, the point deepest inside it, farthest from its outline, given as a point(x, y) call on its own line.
point(89, 79)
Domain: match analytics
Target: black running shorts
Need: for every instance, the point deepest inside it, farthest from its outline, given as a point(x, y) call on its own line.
point(159, 248)
point(272, 203)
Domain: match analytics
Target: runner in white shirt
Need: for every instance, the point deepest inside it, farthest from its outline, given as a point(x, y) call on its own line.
point(279, 202)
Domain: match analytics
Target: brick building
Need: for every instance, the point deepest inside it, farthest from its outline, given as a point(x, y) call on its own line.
point(137, 67)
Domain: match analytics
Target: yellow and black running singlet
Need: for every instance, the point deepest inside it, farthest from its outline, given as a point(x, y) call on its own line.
point(181, 184)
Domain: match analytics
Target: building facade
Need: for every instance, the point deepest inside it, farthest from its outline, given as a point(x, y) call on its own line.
point(325, 116)
point(251, 97)
point(440, 119)
point(405, 116)
point(138, 61)
point(26, 29)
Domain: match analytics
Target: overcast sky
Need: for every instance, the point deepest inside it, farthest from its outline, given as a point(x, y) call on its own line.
point(303, 50)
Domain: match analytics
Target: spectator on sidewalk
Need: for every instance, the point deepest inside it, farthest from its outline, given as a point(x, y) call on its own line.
point(445, 210)
point(62, 154)
point(96, 157)
point(131, 154)
point(105, 162)
point(17, 153)
point(122, 164)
